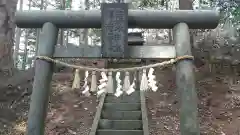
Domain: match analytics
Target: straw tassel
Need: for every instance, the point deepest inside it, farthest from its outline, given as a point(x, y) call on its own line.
point(86, 91)
point(110, 83)
point(131, 89)
point(102, 88)
point(76, 80)
point(144, 81)
point(119, 91)
point(93, 82)
point(85, 86)
point(151, 80)
point(103, 84)
point(104, 77)
point(126, 84)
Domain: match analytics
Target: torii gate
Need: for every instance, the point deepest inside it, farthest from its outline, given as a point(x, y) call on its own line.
point(180, 21)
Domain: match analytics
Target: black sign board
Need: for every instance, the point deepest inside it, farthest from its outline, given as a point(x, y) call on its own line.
point(114, 29)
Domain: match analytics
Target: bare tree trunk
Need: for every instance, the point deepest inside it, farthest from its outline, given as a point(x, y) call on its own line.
point(25, 55)
point(68, 6)
point(18, 35)
point(67, 38)
point(7, 26)
point(63, 6)
point(170, 30)
point(83, 33)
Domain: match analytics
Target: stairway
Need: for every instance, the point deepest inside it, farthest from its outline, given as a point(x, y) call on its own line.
point(125, 115)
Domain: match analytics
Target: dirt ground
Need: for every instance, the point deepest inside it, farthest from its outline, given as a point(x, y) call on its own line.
point(70, 113)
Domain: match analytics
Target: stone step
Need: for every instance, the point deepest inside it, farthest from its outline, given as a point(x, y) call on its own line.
point(133, 98)
point(122, 115)
point(120, 124)
point(121, 107)
point(119, 132)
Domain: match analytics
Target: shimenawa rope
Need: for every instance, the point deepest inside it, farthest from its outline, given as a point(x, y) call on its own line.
point(164, 63)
